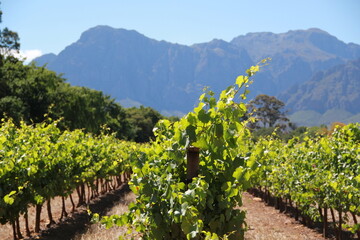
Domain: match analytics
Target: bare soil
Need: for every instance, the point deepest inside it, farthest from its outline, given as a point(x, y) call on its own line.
point(264, 222)
point(99, 232)
point(76, 222)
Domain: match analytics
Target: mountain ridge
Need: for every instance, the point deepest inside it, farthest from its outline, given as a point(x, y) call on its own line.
point(331, 85)
point(169, 77)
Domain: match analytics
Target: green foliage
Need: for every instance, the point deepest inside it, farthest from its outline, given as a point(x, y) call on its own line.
point(268, 111)
point(286, 135)
point(315, 172)
point(29, 89)
point(30, 93)
point(9, 41)
point(142, 121)
point(39, 162)
point(84, 108)
point(263, 132)
point(170, 207)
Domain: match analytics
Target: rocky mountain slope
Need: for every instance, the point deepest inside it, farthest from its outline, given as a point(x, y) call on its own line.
point(335, 88)
point(169, 77)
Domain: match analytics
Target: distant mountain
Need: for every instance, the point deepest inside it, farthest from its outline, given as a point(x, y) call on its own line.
point(133, 68)
point(46, 58)
point(313, 118)
point(296, 55)
point(169, 77)
point(336, 88)
point(329, 96)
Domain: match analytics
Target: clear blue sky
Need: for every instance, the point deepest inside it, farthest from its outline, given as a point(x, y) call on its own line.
point(50, 25)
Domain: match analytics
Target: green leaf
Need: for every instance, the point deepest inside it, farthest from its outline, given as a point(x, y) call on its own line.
point(357, 178)
point(8, 199)
point(191, 132)
point(238, 174)
point(240, 80)
point(186, 226)
point(201, 143)
point(219, 130)
point(204, 116)
point(199, 107)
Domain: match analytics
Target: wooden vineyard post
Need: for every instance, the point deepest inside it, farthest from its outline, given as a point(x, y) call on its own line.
point(325, 222)
point(192, 156)
point(340, 223)
point(37, 217)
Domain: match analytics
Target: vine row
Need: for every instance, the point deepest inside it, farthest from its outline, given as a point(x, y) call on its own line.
point(314, 175)
point(39, 162)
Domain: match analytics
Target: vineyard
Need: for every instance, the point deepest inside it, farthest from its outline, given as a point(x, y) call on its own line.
point(315, 176)
point(39, 163)
point(189, 180)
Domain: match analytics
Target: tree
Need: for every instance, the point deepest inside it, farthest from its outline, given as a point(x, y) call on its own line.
point(9, 40)
point(88, 109)
point(27, 91)
point(12, 107)
point(143, 121)
point(268, 111)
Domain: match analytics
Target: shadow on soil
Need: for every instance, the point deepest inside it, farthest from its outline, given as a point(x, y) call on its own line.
point(79, 222)
point(294, 213)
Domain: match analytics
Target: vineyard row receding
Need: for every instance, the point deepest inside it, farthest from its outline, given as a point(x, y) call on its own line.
point(315, 175)
point(39, 162)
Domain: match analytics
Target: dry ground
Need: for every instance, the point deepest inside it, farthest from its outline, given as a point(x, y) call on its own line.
point(76, 223)
point(264, 222)
point(98, 232)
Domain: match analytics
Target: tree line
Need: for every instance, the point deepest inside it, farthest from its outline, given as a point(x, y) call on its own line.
point(32, 94)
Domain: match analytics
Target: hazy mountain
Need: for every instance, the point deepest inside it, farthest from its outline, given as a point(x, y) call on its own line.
point(331, 95)
point(169, 77)
point(296, 55)
point(313, 118)
point(335, 88)
point(131, 67)
point(46, 58)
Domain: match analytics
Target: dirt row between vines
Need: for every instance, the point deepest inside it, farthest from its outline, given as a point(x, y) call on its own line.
point(264, 222)
point(77, 222)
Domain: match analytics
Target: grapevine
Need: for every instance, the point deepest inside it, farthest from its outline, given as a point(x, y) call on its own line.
point(315, 175)
point(170, 206)
point(39, 162)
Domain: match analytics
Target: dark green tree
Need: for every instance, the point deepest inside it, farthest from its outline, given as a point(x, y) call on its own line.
point(13, 107)
point(268, 111)
point(143, 121)
point(27, 91)
point(9, 40)
point(89, 109)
